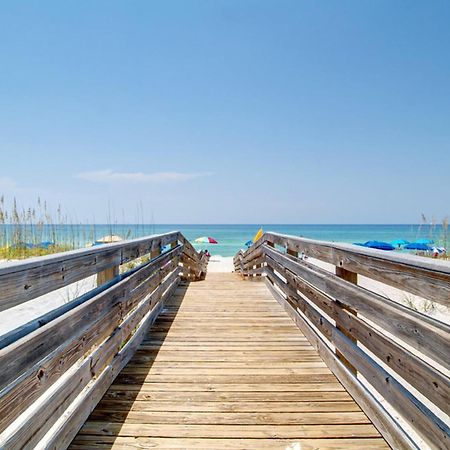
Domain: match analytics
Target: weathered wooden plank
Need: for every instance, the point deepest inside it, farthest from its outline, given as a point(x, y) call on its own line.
point(325, 406)
point(229, 418)
point(388, 427)
point(351, 277)
point(21, 355)
point(410, 326)
point(229, 431)
point(29, 432)
point(428, 425)
point(125, 443)
point(28, 279)
point(46, 364)
point(432, 383)
point(27, 328)
point(211, 376)
point(75, 416)
point(425, 277)
point(139, 377)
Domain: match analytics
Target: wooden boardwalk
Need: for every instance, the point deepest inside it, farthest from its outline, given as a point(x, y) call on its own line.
point(225, 367)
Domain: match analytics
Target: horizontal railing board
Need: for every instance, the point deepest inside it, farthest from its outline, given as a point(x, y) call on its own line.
point(387, 426)
point(29, 386)
point(75, 416)
point(22, 330)
point(430, 427)
point(15, 358)
point(31, 278)
point(406, 324)
point(27, 328)
point(33, 383)
point(426, 379)
point(189, 250)
point(325, 299)
point(29, 433)
point(49, 363)
point(426, 277)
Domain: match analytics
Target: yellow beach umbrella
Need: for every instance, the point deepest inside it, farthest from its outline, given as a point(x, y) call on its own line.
point(258, 235)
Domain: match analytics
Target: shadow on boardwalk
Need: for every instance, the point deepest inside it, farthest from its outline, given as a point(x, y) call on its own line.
point(127, 389)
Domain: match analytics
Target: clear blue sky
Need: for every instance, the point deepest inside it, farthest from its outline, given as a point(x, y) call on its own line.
point(228, 111)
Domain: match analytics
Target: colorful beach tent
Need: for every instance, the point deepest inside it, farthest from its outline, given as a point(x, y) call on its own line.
point(205, 240)
point(258, 235)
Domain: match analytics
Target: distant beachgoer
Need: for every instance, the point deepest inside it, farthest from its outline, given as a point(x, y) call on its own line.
point(208, 255)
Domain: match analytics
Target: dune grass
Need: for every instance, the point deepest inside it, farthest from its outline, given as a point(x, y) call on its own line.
point(35, 231)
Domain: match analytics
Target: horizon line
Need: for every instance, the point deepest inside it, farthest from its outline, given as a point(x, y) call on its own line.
point(257, 224)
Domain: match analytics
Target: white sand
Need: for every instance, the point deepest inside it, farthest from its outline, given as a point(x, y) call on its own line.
point(21, 314)
point(219, 263)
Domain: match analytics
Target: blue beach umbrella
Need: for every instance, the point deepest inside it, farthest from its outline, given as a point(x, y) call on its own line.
point(379, 245)
point(46, 244)
point(424, 241)
point(249, 243)
point(399, 242)
point(417, 246)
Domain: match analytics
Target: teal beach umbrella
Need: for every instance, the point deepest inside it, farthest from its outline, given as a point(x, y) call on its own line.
point(399, 242)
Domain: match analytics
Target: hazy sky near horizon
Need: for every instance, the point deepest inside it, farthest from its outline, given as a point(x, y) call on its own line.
point(227, 111)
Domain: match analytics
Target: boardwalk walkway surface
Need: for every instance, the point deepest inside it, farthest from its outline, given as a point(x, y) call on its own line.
point(225, 367)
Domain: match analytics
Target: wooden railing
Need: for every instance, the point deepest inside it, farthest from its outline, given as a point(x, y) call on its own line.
point(55, 369)
point(392, 359)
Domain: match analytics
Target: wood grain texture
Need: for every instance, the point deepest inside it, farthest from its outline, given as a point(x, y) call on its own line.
point(53, 405)
point(56, 369)
point(404, 323)
point(80, 322)
point(389, 428)
point(425, 277)
point(28, 279)
point(75, 415)
point(433, 430)
point(367, 326)
point(428, 380)
point(222, 367)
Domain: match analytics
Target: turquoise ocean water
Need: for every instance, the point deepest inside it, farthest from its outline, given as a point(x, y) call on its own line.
point(231, 238)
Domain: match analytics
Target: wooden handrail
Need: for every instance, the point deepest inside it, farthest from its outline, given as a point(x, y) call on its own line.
point(426, 277)
point(31, 278)
point(59, 365)
point(378, 344)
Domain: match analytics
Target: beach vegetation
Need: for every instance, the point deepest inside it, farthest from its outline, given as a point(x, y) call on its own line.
point(37, 231)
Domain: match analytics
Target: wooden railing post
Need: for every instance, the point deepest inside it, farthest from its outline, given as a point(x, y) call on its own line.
point(107, 275)
point(351, 277)
point(291, 252)
point(155, 253)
